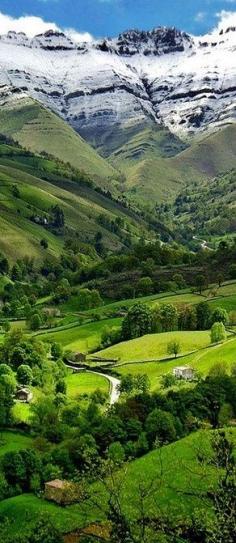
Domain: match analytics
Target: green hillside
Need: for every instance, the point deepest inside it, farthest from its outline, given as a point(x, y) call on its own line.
point(157, 164)
point(30, 186)
point(40, 130)
point(170, 472)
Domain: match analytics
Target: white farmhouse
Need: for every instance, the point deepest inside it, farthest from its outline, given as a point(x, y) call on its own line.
point(184, 372)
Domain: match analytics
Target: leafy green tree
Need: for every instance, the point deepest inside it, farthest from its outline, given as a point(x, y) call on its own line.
point(173, 347)
point(24, 374)
point(160, 427)
point(168, 317)
point(127, 384)
point(6, 326)
point(58, 219)
point(187, 318)
point(63, 291)
point(56, 350)
point(44, 243)
point(220, 315)
point(200, 283)
point(35, 322)
point(145, 285)
point(203, 316)
point(225, 415)
point(7, 392)
point(168, 380)
point(116, 453)
point(137, 322)
point(16, 273)
point(218, 332)
point(220, 279)
point(4, 265)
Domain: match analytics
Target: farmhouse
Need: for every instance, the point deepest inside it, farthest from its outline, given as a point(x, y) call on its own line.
point(62, 492)
point(24, 395)
point(184, 372)
point(79, 357)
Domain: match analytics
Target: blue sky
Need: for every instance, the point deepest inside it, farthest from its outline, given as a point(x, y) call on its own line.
point(109, 17)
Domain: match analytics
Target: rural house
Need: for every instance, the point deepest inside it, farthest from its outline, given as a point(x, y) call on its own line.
point(184, 372)
point(79, 357)
point(24, 395)
point(62, 492)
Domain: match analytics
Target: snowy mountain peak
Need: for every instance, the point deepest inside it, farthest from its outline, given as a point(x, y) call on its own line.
point(163, 76)
point(157, 41)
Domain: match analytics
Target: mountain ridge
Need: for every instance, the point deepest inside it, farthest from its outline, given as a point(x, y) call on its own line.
point(185, 83)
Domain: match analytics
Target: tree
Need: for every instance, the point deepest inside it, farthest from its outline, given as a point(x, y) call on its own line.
point(63, 291)
point(24, 374)
point(58, 219)
point(4, 265)
point(56, 350)
point(127, 384)
point(173, 347)
point(168, 380)
point(168, 317)
point(145, 285)
point(200, 283)
point(203, 316)
point(6, 326)
point(225, 414)
point(137, 322)
point(7, 392)
point(220, 315)
point(220, 279)
point(116, 453)
point(35, 322)
point(44, 243)
point(160, 426)
point(218, 332)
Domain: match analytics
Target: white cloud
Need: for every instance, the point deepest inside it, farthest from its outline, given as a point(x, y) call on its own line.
point(225, 19)
point(32, 25)
point(78, 36)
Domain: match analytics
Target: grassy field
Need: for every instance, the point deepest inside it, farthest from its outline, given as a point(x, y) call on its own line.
point(202, 360)
point(154, 346)
point(14, 441)
point(171, 469)
point(83, 338)
point(85, 383)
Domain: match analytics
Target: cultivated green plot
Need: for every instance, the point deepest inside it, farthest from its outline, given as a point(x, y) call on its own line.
point(14, 441)
point(85, 383)
point(202, 361)
point(81, 338)
point(154, 346)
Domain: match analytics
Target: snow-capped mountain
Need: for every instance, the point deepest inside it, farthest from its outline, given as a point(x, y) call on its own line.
point(166, 76)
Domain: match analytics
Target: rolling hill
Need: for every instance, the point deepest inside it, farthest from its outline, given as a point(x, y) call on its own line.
point(30, 186)
point(157, 164)
point(38, 129)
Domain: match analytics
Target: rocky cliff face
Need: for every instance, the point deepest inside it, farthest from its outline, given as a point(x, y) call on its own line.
point(165, 76)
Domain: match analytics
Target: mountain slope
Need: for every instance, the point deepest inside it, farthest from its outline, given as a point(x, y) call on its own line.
point(40, 130)
point(153, 178)
point(31, 186)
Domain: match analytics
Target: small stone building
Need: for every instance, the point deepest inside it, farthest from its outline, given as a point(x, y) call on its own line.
point(79, 357)
point(24, 395)
point(184, 372)
point(62, 492)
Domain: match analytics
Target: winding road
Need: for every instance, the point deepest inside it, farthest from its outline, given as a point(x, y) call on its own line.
point(203, 243)
point(114, 382)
